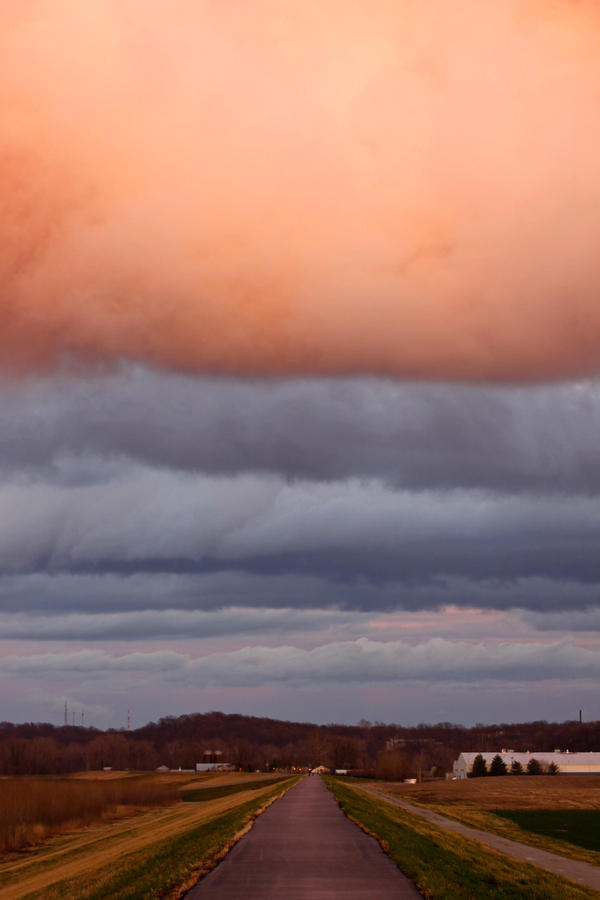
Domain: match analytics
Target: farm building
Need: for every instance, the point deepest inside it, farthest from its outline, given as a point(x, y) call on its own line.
point(568, 763)
point(212, 762)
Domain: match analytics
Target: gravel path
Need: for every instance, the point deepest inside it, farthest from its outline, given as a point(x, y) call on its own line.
point(304, 848)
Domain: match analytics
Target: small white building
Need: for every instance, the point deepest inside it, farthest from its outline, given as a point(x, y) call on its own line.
point(568, 763)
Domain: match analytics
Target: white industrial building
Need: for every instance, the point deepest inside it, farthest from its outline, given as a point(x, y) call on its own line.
point(568, 763)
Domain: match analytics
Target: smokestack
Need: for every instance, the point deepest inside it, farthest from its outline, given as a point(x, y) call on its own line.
point(128, 720)
point(66, 714)
point(580, 720)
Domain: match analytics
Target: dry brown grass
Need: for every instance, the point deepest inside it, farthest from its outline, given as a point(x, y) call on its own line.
point(32, 809)
point(80, 857)
point(222, 779)
point(103, 776)
point(507, 792)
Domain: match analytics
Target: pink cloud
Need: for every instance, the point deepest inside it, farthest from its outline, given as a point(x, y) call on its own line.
point(405, 188)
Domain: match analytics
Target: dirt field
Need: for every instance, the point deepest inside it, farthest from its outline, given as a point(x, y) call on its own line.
point(507, 792)
point(77, 856)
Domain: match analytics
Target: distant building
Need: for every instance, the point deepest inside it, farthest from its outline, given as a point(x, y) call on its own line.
point(212, 761)
point(568, 763)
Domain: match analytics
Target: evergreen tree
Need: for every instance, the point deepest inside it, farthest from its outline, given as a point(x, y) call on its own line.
point(553, 769)
point(479, 768)
point(533, 767)
point(516, 768)
point(498, 766)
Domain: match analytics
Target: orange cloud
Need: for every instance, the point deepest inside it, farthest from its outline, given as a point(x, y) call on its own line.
point(409, 187)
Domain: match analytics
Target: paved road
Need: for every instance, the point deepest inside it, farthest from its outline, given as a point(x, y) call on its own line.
point(575, 870)
point(304, 848)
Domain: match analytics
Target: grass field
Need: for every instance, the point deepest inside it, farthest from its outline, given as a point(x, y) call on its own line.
point(576, 826)
point(157, 853)
point(445, 866)
point(495, 804)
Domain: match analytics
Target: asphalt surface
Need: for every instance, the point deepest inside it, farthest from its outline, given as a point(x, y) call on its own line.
point(573, 869)
point(304, 848)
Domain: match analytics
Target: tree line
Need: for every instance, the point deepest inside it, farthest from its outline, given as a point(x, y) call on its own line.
point(390, 751)
point(499, 767)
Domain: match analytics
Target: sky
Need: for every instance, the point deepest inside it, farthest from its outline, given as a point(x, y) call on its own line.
point(299, 360)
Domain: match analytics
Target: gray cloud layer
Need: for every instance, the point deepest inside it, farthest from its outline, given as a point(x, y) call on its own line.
point(110, 593)
point(169, 623)
point(411, 435)
point(145, 491)
point(162, 521)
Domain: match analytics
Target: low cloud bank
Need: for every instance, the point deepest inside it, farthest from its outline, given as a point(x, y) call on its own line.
point(359, 661)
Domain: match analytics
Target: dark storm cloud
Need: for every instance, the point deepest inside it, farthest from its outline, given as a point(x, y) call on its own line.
point(411, 435)
point(143, 491)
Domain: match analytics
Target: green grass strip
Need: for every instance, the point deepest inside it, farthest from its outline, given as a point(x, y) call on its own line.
point(574, 826)
point(491, 820)
point(159, 870)
point(445, 866)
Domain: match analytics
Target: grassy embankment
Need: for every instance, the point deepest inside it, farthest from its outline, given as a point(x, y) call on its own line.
point(158, 853)
point(445, 866)
point(559, 814)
